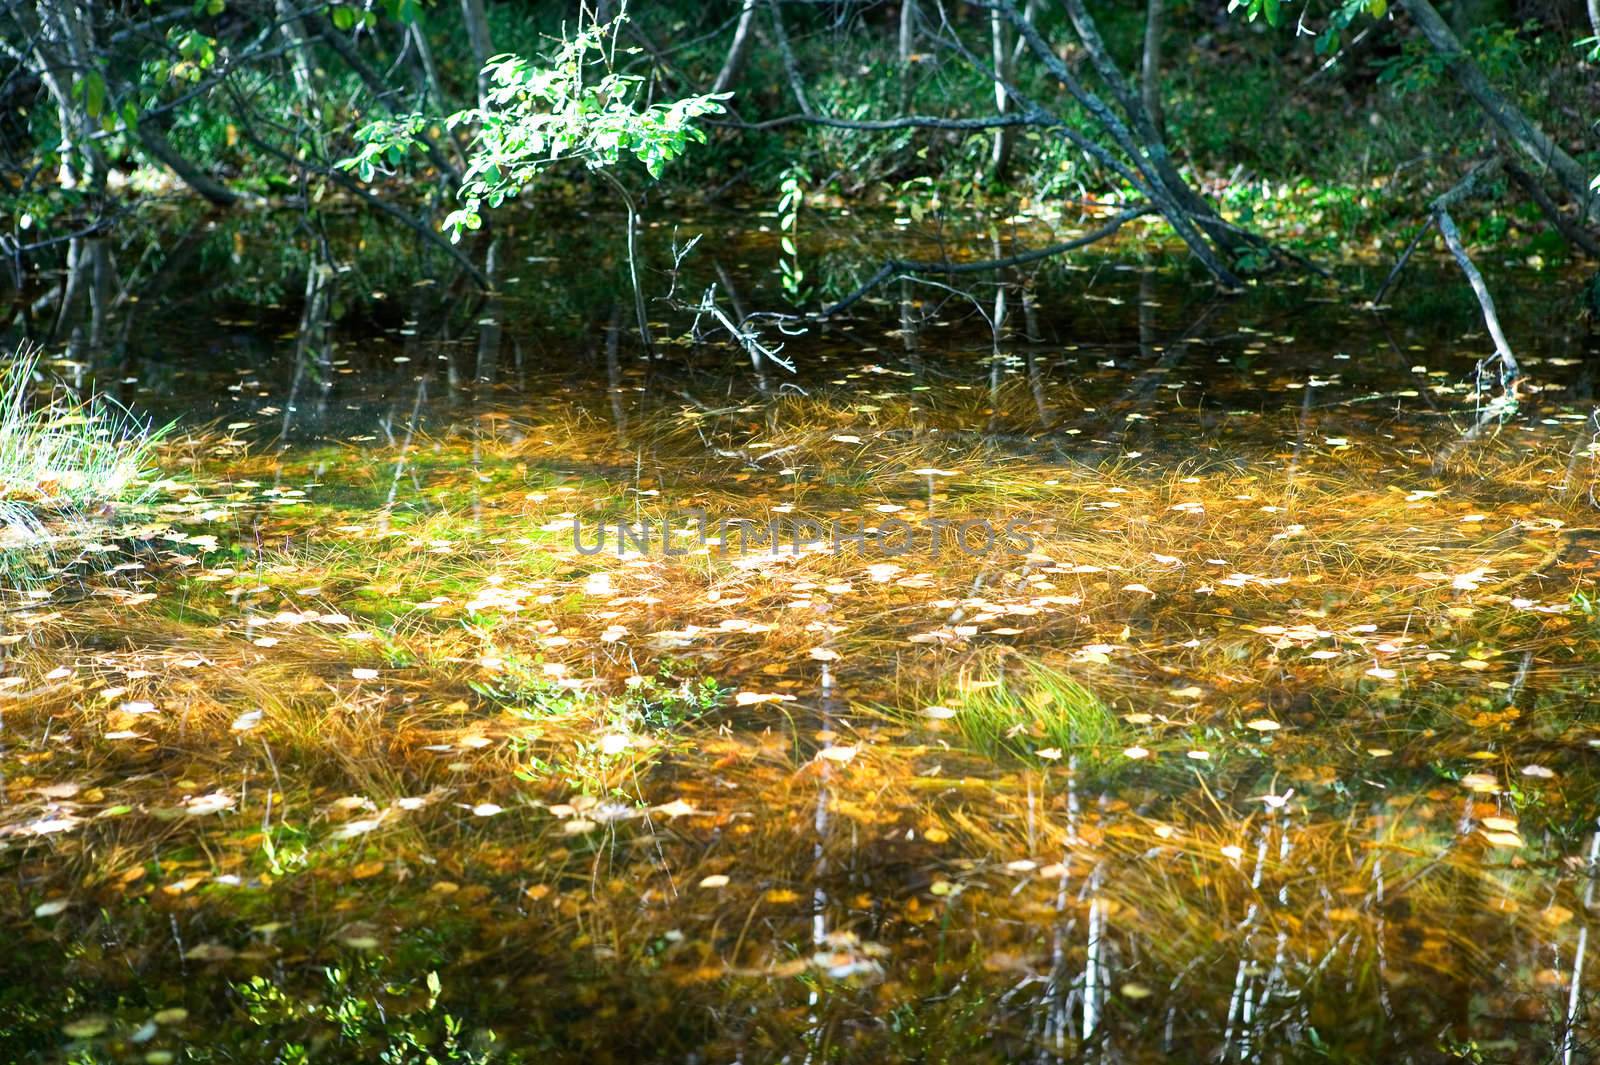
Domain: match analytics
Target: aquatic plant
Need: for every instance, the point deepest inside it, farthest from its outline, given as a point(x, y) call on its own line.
point(1031, 711)
point(65, 453)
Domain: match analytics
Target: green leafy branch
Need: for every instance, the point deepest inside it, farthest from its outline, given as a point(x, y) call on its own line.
point(792, 196)
point(575, 108)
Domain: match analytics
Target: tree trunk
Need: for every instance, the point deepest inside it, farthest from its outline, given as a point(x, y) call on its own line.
point(1004, 137)
point(64, 50)
point(1150, 68)
point(743, 35)
point(908, 30)
point(1144, 136)
point(791, 68)
point(1138, 117)
point(1529, 138)
point(1182, 207)
point(300, 56)
point(477, 20)
point(430, 69)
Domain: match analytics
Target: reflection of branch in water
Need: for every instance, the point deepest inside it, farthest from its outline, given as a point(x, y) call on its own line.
point(1492, 414)
point(405, 449)
point(619, 410)
point(1142, 388)
point(1569, 1029)
point(1058, 1002)
point(1380, 924)
point(893, 267)
point(1243, 981)
point(819, 871)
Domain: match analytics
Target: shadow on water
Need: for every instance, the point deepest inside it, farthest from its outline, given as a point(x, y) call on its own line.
point(1137, 675)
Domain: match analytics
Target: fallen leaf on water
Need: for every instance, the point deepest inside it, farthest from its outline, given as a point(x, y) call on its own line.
point(351, 829)
point(756, 698)
point(209, 952)
point(86, 1027)
point(214, 803)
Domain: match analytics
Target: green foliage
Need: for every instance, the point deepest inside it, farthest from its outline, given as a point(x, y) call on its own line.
point(1343, 14)
point(1500, 51)
point(578, 108)
point(197, 53)
point(667, 701)
point(663, 701)
point(524, 689)
point(351, 1018)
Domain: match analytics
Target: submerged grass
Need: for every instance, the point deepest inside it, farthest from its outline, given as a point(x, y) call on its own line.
point(453, 743)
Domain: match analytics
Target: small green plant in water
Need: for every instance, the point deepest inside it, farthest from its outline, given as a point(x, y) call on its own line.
point(523, 689)
point(666, 701)
point(1041, 715)
point(358, 1023)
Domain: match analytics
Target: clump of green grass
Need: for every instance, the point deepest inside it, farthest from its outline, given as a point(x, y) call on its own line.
point(523, 689)
point(65, 453)
point(1036, 714)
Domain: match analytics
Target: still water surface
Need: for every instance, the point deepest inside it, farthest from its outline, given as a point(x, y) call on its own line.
point(1274, 743)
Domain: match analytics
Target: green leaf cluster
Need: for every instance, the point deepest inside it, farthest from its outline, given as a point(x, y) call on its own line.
point(574, 107)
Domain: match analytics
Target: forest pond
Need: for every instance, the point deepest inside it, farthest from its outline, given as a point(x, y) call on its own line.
point(1256, 724)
